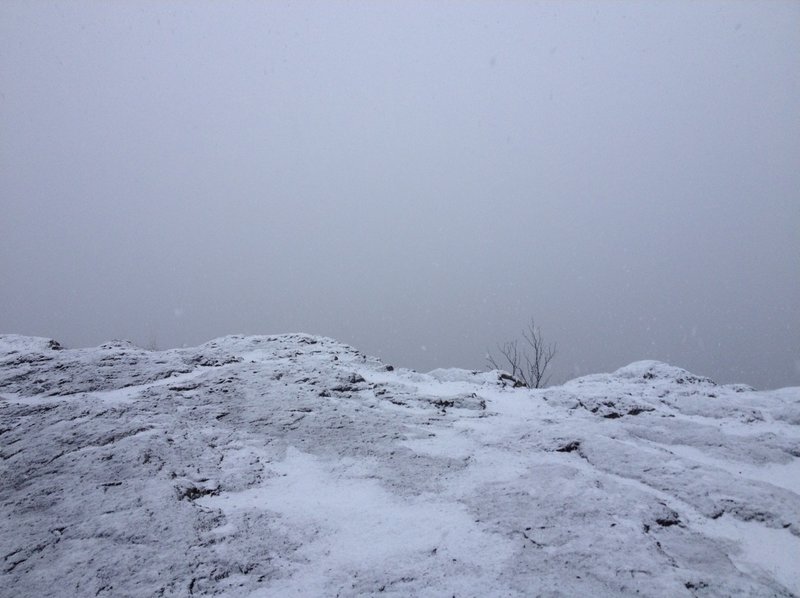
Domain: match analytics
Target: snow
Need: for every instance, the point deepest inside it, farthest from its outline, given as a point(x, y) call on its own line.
point(784, 475)
point(347, 511)
point(295, 465)
point(760, 550)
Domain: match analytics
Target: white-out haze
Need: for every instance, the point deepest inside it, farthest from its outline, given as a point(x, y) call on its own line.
point(416, 179)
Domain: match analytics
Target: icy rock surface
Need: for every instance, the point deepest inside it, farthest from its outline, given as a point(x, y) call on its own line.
point(297, 466)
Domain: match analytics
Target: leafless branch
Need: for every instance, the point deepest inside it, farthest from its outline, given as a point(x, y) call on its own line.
point(529, 365)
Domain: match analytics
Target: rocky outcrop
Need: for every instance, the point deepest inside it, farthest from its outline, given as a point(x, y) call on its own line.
point(296, 465)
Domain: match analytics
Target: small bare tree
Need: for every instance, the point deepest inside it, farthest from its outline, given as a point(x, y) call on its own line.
point(528, 364)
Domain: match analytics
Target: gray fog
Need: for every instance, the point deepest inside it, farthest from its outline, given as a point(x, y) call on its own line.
point(416, 179)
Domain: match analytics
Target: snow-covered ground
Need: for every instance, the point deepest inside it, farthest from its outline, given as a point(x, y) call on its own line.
point(297, 466)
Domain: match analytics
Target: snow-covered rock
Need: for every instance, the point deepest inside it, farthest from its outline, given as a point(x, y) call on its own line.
point(295, 465)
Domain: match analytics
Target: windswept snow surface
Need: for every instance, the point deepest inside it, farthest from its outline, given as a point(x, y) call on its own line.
point(297, 466)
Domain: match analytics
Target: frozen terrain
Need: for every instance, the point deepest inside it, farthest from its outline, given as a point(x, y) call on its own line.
point(297, 466)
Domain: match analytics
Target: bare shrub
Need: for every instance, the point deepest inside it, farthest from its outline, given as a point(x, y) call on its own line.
point(528, 361)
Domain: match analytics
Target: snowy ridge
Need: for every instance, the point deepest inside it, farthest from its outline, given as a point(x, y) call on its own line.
point(295, 465)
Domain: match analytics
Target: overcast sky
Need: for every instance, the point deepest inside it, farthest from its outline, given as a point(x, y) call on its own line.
point(416, 179)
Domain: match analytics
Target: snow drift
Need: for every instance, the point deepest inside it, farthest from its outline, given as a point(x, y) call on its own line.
point(297, 466)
